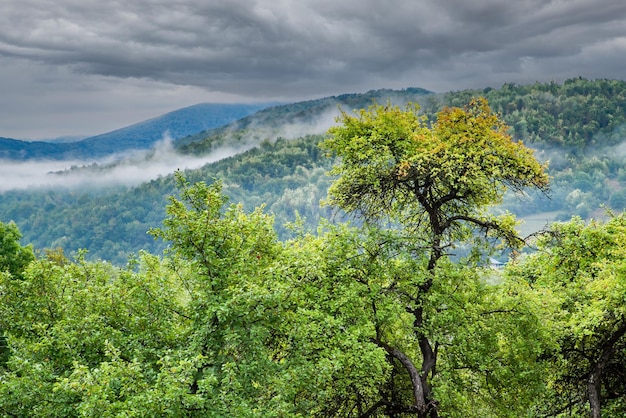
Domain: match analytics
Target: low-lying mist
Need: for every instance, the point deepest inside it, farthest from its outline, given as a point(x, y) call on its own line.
point(129, 169)
point(135, 167)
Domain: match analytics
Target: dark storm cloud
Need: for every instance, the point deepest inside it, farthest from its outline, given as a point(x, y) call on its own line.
point(284, 49)
point(239, 46)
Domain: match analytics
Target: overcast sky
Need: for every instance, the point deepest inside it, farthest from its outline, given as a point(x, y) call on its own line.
point(83, 67)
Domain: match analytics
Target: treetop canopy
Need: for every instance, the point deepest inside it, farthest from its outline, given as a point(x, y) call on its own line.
point(393, 164)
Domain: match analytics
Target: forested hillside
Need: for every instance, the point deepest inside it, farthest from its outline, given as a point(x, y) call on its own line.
point(287, 174)
point(579, 114)
point(112, 223)
point(398, 314)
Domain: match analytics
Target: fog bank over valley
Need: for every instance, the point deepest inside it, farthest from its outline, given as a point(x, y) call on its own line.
point(130, 169)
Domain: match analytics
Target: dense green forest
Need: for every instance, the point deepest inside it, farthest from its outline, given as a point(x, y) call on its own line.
point(577, 126)
point(397, 314)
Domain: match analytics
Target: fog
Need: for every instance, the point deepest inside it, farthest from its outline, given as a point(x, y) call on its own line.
point(130, 169)
point(135, 167)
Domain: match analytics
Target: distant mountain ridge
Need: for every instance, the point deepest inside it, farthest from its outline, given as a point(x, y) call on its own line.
point(142, 135)
point(293, 120)
point(15, 149)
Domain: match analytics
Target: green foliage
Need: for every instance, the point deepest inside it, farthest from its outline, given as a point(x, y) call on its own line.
point(579, 275)
point(225, 260)
point(359, 306)
point(89, 339)
point(397, 316)
point(432, 181)
point(266, 322)
point(233, 322)
point(13, 256)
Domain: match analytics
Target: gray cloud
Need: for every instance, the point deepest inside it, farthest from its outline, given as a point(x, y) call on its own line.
point(135, 57)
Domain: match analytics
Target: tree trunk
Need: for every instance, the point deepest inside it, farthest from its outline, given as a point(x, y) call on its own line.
point(593, 387)
point(595, 377)
point(420, 405)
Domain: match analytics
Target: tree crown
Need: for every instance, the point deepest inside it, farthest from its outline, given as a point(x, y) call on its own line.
point(394, 166)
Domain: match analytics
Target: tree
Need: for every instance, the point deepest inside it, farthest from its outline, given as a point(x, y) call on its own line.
point(351, 338)
point(579, 273)
point(229, 323)
point(13, 256)
point(435, 185)
point(227, 263)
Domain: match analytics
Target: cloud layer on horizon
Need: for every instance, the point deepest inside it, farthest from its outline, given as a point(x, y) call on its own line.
point(137, 58)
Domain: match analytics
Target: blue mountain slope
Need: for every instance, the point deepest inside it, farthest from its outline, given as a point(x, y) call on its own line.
point(176, 124)
point(142, 135)
point(14, 149)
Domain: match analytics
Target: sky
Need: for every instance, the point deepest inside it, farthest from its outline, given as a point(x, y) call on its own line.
point(85, 67)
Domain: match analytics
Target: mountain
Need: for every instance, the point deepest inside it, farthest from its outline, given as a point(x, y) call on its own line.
point(204, 127)
point(176, 124)
point(15, 149)
point(142, 135)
